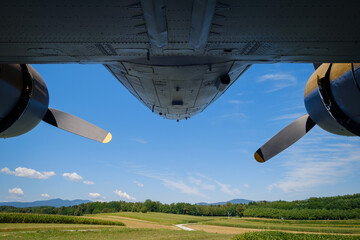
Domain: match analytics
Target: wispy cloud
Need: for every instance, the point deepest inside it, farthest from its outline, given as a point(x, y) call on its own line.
point(73, 177)
point(238, 102)
point(201, 183)
point(279, 80)
point(28, 173)
point(139, 140)
point(138, 183)
point(246, 185)
point(183, 187)
point(45, 195)
point(175, 184)
point(195, 184)
point(309, 167)
point(225, 188)
point(296, 107)
point(291, 116)
point(124, 195)
point(234, 115)
point(88, 182)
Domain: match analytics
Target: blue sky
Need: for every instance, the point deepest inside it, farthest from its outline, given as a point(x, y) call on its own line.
point(206, 158)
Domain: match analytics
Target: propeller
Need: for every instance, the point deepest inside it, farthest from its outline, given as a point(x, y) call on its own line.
point(76, 125)
point(285, 138)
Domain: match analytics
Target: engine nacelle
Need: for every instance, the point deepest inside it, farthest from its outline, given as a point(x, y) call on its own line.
point(24, 99)
point(332, 98)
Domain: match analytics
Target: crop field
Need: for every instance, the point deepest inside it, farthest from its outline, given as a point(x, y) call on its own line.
point(314, 226)
point(45, 218)
point(164, 218)
point(165, 226)
point(264, 235)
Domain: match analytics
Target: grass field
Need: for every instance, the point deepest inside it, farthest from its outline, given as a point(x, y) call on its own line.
point(162, 226)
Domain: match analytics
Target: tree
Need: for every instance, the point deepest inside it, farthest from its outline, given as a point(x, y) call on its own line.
point(143, 209)
point(240, 208)
point(229, 209)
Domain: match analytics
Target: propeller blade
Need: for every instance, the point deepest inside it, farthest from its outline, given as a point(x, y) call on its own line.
point(76, 125)
point(285, 138)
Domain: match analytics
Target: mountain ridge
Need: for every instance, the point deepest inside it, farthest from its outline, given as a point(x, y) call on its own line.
point(233, 201)
point(56, 202)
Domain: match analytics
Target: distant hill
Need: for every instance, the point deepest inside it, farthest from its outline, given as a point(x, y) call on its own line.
point(52, 203)
point(234, 201)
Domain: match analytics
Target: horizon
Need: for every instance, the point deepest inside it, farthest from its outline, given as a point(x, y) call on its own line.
point(210, 203)
point(207, 158)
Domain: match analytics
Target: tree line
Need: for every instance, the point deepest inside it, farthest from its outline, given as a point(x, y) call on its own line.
point(339, 207)
point(147, 206)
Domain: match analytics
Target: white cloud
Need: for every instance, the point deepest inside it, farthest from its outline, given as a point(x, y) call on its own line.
point(246, 185)
point(124, 195)
point(138, 184)
point(6, 170)
point(139, 140)
point(280, 80)
point(72, 177)
point(95, 196)
point(16, 191)
point(28, 173)
point(45, 195)
point(291, 116)
point(88, 182)
point(309, 166)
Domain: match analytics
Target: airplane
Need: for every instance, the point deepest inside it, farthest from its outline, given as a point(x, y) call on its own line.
point(178, 57)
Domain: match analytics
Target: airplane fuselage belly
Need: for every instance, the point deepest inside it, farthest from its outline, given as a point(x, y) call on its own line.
point(171, 54)
point(177, 91)
point(96, 31)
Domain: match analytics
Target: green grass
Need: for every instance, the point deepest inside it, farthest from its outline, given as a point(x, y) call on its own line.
point(120, 233)
point(44, 218)
point(290, 236)
point(164, 218)
point(320, 226)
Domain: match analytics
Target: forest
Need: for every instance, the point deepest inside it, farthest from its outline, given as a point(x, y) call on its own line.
point(323, 208)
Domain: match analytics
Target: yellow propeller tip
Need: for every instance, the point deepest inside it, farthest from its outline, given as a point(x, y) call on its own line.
point(258, 158)
point(107, 138)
